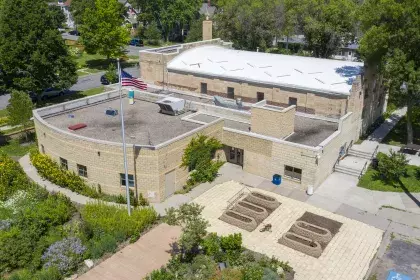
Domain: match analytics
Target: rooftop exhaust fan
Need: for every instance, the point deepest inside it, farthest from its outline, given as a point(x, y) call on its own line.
point(171, 106)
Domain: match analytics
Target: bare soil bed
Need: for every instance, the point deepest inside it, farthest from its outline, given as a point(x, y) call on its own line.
point(239, 217)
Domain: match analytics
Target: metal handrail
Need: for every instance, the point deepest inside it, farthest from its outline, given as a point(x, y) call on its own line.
point(375, 152)
point(363, 169)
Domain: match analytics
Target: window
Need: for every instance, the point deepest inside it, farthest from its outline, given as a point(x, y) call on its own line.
point(292, 101)
point(64, 164)
point(42, 149)
point(260, 96)
point(292, 172)
point(82, 170)
point(204, 88)
point(130, 180)
point(231, 92)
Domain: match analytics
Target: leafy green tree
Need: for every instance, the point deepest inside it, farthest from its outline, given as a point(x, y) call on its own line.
point(20, 109)
point(111, 74)
point(326, 24)
point(78, 8)
point(168, 13)
point(392, 167)
point(33, 55)
point(390, 43)
point(102, 30)
point(57, 15)
point(249, 24)
point(153, 34)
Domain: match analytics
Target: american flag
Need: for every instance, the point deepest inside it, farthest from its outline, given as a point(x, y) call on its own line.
point(128, 81)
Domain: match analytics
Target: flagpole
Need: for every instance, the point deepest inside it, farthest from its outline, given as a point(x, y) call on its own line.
point(123, 140)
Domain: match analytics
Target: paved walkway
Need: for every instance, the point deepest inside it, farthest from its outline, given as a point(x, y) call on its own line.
point(379, 134)
point(137, 260)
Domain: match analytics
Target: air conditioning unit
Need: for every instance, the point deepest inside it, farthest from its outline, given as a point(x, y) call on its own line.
point(171, 106)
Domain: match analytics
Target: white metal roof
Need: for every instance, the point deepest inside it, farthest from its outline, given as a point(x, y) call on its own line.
point(306, 73)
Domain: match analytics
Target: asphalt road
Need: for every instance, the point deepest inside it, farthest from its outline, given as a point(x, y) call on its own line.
point(83, 83)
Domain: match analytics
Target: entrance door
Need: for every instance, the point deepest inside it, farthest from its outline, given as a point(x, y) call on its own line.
point(236, 156)
point(170, 183)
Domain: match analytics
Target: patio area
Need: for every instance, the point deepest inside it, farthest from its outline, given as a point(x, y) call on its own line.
point(347, 256)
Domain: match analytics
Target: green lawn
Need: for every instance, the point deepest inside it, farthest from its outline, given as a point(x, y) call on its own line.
point(398, 135)
point(94, 63)
point(411, 182)
point(14, 148)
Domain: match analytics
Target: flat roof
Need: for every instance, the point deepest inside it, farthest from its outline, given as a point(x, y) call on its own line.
point(305, 73)
point(144, 125)
point(311, 131)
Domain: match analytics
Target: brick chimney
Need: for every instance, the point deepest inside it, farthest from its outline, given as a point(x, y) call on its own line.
point(207, 29)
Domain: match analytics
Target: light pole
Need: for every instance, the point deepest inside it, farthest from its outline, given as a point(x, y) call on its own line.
point(123, 140)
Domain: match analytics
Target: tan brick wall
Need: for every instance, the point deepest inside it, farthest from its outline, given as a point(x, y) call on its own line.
point(207, 30)
point(311, 103)
point(271, 122)
point(148, 166)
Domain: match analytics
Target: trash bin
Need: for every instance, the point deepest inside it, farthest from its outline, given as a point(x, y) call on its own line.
point(276, 179)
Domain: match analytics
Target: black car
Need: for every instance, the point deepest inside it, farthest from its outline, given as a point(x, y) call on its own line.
point(74, 32)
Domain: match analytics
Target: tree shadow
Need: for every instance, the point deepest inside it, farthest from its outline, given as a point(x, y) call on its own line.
point(408, 193)
point(349, 72)
point(175, 249)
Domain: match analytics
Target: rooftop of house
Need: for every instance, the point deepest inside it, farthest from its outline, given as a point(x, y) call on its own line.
point(146, 125)
point(303, 73)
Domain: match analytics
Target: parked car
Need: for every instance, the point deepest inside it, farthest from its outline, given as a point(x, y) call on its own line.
point(136, 42)
point(74, 32)
point(48, 93)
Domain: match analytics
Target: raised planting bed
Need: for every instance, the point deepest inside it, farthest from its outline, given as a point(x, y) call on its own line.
point(240, 220)
point(251, 210)
point(301, 244)
point(311, 231)
point(266, 201)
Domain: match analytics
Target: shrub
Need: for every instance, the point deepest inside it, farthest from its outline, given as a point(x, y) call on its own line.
point(44, 274)
point(232, 246)
point(108, 219)
point(270, 275)
point(99, 246)
point(253, 271)
point(65, 255)
point(111, 74)
point(392, 167)
point(198, 157)
point(4, 121)
point(231, 274)
point(12, 177)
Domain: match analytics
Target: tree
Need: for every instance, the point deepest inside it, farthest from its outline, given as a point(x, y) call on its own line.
point(78, 8)
point(326, 24)
point(390, 43)
point(248, 24)
point(20, 109)
point(111, 74)
point(153, 34)
point(33, 55)
point(102, 30)
point(168, 13)
point(392, 167)
point(57, 15)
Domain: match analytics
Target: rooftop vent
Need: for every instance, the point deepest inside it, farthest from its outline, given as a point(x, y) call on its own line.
point(171, 106)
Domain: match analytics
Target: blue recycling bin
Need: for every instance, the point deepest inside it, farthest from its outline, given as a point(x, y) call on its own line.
point(131, 94)
point(276, 179)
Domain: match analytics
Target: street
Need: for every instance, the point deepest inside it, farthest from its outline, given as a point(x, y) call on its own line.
point(83, 83)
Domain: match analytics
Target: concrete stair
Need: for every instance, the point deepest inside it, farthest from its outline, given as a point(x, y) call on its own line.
point(352, 165)
point(360, 154)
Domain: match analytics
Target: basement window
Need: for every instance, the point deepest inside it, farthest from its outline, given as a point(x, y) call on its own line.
point(260, 96)
point(293, 172)
point(64, 164)
point(231, 92)
point(130, 180)
point(82, 170)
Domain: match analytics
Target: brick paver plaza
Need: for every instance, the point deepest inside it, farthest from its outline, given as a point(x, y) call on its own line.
point(347, 256)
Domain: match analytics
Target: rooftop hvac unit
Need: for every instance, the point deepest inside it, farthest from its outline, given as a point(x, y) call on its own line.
point(171, 106)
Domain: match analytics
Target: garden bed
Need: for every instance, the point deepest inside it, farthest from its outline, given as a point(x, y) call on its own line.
point(239, 220)
point(266, 201)
point(301, 244)
point(251, 210)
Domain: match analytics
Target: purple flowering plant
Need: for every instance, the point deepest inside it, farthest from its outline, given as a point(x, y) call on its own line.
point(65, 254)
